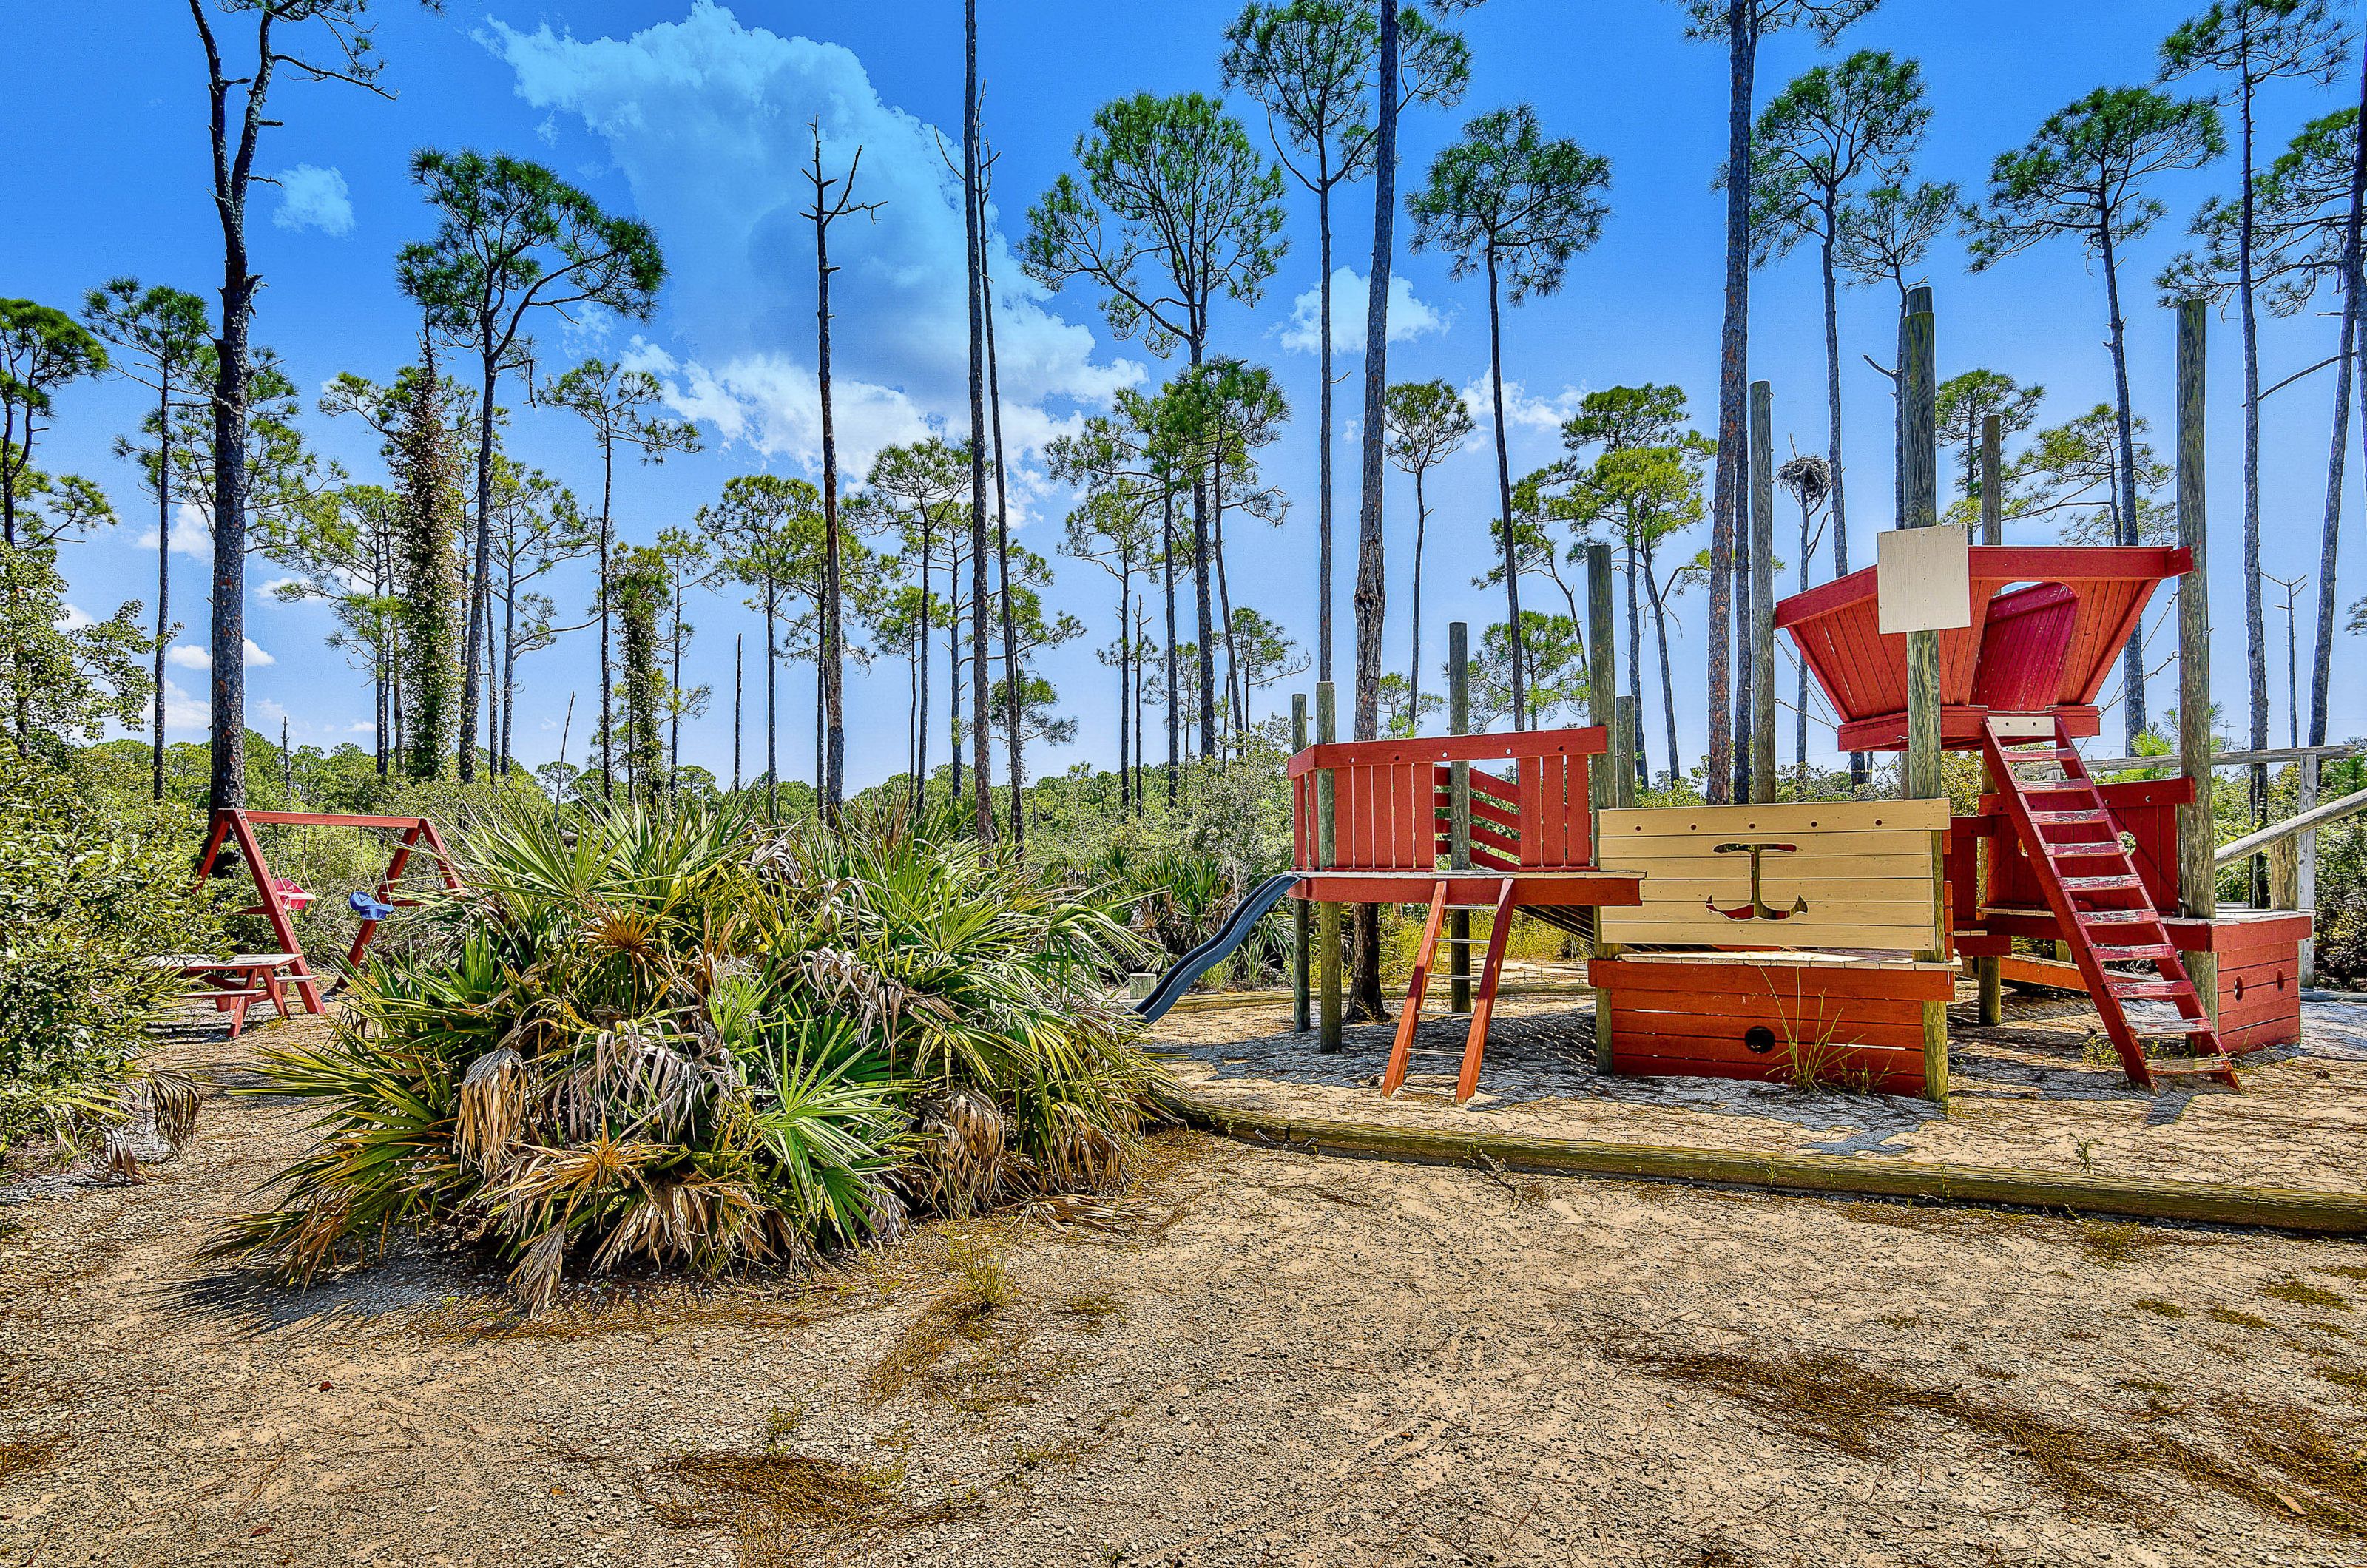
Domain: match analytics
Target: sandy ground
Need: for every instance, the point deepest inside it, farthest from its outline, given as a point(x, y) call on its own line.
point(2038, 1092)
point(1263, 1357)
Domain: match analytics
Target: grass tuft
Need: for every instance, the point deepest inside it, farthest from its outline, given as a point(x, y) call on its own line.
point(2159, 1307)
point(784, 1507)
point(2300, 1293)
point(2237, 1318)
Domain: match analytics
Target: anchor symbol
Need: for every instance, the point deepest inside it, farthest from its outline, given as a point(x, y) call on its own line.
point(1757, 909)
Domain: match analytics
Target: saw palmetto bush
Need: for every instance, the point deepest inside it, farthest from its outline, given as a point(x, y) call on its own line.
point(672, 1036)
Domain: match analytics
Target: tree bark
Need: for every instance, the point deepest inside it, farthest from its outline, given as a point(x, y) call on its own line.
point(833, 767)
point(982, 804)
point(164, 583)
point(2256, 636)
point(1414, 661)
point(1323, 446)
point(1734, 339)
point(479, 577)
point(1015, 745)
point(2132, 700)
point(1518, 661)
point(1175, 715)
point(2322, 659)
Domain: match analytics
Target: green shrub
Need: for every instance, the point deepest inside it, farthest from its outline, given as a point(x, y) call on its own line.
point(86, 898)
point(676, 1036)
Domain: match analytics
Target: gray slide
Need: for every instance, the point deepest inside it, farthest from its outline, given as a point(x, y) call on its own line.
point(1201, 959)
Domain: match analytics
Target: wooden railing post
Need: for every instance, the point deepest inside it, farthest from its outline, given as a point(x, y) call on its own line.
point(2198, 880)
point(1919, 471)
point(1623, 755)
point(1301, 914)
point(2306, 872)
point(1761, 608)
point(1458, 722)
point(1327, 940)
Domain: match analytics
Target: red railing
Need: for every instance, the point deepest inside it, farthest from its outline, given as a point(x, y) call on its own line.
point(1391, 801)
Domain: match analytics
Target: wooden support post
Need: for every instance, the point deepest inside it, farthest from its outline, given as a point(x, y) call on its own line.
point(2198, 881)
point(1327, 850)
point(1989, 971)
point(1920, 468)
point(2306, 872)
point(1458, 822)
point(1602, 662)
point(1992, 480)
point(1761, 609)
point(1302, 915)
point(1622, 752)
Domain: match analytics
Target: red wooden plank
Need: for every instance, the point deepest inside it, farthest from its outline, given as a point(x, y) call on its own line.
point(1871, 982)
point(1402, 1049)
point(1817, 1010)
point(1533, 833)
point(1483, 1005)
point(1553, 811)
point(1589, 740)
point(1811, 1032)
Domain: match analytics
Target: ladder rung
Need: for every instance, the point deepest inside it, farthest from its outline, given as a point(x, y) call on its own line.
point(2064, 819)
point(2099, 884)
point(2129, 988)
point(2173, 1029)
point(2193, 1066)
point(2117, 916)
point(2135, 954)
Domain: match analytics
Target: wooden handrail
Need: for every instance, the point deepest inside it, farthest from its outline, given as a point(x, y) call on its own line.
point(2251, 844)
point(1592, 740)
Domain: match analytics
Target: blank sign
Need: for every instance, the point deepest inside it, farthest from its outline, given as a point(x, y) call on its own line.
point(1923, 580)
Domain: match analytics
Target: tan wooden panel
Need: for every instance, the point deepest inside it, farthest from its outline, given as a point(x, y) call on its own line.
point(1864, 886)
point(1839, 816)
point(1889, 937)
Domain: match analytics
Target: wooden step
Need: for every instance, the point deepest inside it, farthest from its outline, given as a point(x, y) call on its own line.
point(2172, 1030)
point(2193, 1066)
point(2131, 988)
point(2145, 916)
point(2101, 884)
point(2064, 819)
point(2146, 954)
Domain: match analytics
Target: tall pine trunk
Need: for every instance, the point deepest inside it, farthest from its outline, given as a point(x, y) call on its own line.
point(1174, 717)
point(164, 585)
point(2255, 636)
point(1414, 661)
point(1733, 370)
point(479, 574)
point(1518, 660)
point(831, 780)
point(1015, 749)
point(2132, 700)
point(1323, 446)
point(2322, 660)
point(982, 806)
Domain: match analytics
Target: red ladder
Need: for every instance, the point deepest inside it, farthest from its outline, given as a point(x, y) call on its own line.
point(2101, 904)
point(1483, 1005)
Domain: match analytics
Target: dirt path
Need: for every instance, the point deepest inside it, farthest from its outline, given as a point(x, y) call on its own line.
point(1271, 1358)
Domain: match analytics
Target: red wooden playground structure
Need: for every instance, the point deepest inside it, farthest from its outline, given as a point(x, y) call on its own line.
point(1699, 968)
point(277, 901)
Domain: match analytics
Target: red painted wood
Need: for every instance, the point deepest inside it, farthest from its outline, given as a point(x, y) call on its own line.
point(1681, 979)
point(2026, 638)
point(1483, 1005)
point(1402, 1049)
point(1863, 673)
point(1591, 741)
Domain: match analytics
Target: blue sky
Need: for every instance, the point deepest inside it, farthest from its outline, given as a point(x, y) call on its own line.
point(692, 114)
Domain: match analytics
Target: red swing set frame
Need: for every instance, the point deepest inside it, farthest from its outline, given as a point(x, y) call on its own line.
point(239, 827)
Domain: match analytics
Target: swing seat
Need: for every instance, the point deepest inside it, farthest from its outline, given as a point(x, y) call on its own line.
point(291, 894)
point(367, 907)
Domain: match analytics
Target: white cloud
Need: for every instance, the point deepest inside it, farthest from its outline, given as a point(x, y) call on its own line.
point(313, 197)
point(190, 536)
point(183, 712)
point(705, 119)
point(1521, 412)
point(75, 617)
point(190, 656)
point(1351, 301)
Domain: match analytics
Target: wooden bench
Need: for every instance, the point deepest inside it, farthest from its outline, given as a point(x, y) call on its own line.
point(237, 983)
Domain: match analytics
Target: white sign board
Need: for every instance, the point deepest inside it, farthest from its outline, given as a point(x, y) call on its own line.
point(1923, 580)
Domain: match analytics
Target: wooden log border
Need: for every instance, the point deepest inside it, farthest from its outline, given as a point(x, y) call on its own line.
point(2198, 1202)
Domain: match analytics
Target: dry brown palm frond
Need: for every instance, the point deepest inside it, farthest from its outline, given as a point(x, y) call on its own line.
point(490, 1113)
point(628, 931)
point(698, 1220)
point(536, 1277)
point(1083, 1157)
point(964, 1152)
point(169, 1100)
point(567, 1175)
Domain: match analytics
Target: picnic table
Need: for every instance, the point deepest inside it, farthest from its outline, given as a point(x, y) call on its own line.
point(237, 983)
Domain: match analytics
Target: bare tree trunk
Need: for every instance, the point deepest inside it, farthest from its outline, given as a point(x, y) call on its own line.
point(737, 641)
point(1733, 365)
point(1518, 661)
point(1635, 675)
point(480, 579)
point(1174, 717)
point(1323, 446)
point(921, 708)
point(2256, 636)
point(832, 772)
point(1413, 662)
point(2132, 700)
point(772, 708)
point(164, 585)
point(2322, 660)
point(982, 806)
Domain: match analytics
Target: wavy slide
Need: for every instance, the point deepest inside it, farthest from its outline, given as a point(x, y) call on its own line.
point(1201, 959)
